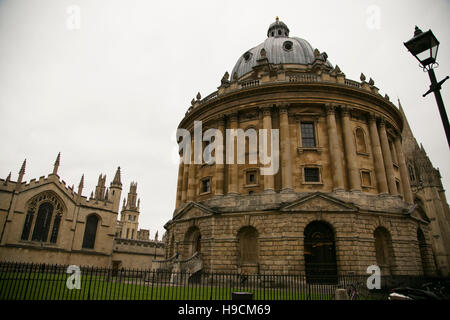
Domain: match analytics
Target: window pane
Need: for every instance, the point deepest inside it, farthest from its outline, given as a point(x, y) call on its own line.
point(42, 224)
point(205, 185)
point(312, 175)
point(55, 229)
point(308, 136)
point(27, 226)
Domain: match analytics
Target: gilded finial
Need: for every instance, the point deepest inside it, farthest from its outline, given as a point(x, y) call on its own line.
point(276, 18)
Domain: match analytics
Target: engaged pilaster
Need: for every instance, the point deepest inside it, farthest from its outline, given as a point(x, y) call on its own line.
point(220, 168)
point(286, 166)
point(269, 185)
point(380, 172)
point(336, 161)
point(387, 157)
point(350, 151)
point(233, 177)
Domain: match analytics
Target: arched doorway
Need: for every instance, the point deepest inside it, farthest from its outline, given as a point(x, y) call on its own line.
point(320, 253)
point(384, 251)
point(248, 250)
point(193, 242)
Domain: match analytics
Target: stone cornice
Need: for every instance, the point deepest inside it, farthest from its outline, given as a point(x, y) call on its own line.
point(306, 90)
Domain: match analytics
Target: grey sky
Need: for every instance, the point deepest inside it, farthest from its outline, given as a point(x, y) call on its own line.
point(107, 94)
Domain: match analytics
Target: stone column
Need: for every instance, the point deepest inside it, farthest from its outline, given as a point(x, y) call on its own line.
point(378, 164)
point(387, 158)
point(350, 152)
point(407, 193)
point(219, 175)
point(335, 154)
point(180, 182)
point(269, 185)
point(233, 177)
point(191, 187)
point(285, 145)
point(184, 189)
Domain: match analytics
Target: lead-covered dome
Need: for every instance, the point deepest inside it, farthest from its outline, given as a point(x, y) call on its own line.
point(279, 49)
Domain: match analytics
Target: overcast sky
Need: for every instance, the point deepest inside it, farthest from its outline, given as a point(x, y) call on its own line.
point(107, 82)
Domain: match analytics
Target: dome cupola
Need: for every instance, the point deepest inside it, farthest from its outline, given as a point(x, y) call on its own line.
point(278, 29)
point(279, 48)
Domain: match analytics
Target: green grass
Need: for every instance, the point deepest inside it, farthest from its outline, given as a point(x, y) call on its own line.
point(46, 286)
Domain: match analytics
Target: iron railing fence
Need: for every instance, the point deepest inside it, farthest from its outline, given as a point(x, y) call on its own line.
point(30, 281)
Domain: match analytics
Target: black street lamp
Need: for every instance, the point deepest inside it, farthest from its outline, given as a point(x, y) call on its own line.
point(424, 47)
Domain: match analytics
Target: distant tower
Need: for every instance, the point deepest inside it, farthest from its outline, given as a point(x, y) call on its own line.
point(115, 191)
point(100, 188)
point(129, 217)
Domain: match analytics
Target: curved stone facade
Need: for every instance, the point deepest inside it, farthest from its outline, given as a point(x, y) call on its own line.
point(341, 162)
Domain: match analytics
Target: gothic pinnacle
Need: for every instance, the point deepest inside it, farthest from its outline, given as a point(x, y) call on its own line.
point(22, 169)
point(56, 164)
point(117, 180)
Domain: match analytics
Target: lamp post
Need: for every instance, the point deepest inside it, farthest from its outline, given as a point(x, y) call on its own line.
point(424, 47)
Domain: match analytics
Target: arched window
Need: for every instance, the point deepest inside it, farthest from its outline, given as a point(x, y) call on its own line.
point(320, 253)
point(192, 240)
point(90, 231)
point(383, 250)
point(248, 245)
point(360, 141)
point(43, 219)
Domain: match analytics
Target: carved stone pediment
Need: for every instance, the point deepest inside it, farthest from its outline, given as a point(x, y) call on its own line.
point(319, 202)
point(193, 210)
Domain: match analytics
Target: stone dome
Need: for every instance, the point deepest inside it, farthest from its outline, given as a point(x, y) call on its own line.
point(279, 48)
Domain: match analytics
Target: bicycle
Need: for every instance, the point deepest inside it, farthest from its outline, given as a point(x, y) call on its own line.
point(354, 293)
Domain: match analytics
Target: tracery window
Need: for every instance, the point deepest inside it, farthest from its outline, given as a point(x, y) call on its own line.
point(44, 215)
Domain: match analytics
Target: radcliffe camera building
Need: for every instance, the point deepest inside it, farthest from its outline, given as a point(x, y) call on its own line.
point(354, 189)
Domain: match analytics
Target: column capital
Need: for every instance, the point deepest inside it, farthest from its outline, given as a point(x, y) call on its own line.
point(382, 122)
point(220, 119)
point(372, 117)
point(283, 108)
point(330, 108)
point(345, 110)
point(266, 110)
point(233, 117)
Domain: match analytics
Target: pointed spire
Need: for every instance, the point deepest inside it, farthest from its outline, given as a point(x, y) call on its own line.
point(92, 194)
point(117, 181)
point(22, 171)
point(56, 165)
point(156, 235)
point(8, 178)
point(81, 185)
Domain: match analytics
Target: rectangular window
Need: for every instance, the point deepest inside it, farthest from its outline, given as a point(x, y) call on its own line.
point(365, 177)
point(308, 135)
point(312, 175)
point(251, 177)
point(206, 185)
